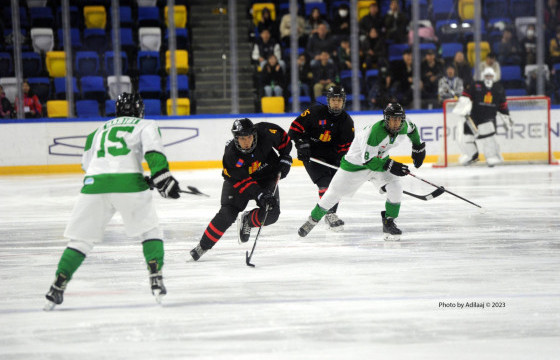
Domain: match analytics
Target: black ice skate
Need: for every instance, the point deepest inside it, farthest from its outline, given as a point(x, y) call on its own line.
point(334, 222)
point(390, 230)
point(307, 227)
point(156, 281)
point(55, 296)
point(197, 252)
point(243, 227)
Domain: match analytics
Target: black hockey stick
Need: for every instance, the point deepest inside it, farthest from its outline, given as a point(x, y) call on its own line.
point(192, 189)
point(247, 255)
point(447, 191)
point(434, 194)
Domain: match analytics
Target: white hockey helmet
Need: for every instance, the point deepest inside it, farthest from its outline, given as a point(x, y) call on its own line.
point(488, 76)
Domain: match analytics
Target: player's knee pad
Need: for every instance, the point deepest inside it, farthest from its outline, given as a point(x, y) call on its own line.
point(394, 192)
point(82, 246)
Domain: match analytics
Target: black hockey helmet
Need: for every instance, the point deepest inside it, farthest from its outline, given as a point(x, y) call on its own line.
point(334, 92)
point(244, 127)
point(393, 109)
point(130, 105)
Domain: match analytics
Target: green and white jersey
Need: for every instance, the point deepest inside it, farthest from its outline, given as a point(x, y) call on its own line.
point(370, 148)
point(114, 152)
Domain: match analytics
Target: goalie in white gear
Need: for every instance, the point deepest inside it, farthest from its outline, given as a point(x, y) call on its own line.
point(483, 100)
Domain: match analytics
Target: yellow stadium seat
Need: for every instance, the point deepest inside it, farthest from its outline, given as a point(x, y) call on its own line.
point(95, 17)
point(183, 106)
point(272, 104)
point(363, 7)
point(56, 63)
point(181, 61)
point(258, 8)
point(57, 108)
point(180, 14)
point(466, 9)
point(484, 50)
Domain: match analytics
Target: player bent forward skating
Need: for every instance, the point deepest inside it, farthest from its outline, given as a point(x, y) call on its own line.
point(368, 160)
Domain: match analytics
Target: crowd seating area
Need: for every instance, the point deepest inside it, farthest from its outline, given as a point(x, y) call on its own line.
point(445, 29)
point(145, 57)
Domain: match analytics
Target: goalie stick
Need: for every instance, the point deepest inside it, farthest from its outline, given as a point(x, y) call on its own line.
point(247, 255)
point(434, 194)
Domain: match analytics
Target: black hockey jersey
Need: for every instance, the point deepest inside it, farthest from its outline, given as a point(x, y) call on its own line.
point(486, 102)
point(244, 170)
point(330, 136)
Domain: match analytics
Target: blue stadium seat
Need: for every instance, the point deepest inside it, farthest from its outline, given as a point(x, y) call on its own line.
point(32, 64)
point(182, 86)
point(444, 9)
point(86, 63)
point(149, 86)
point(6, 65)
point(93, 88)
point(320, 5)
point(346, 80)
point(109, 67)
point(181, 38)
point(350, 100)
point(125, 16)
point(75, 17)
point(110, 108)
point(41, 17)
point(395, 51)
point(495, 8)
point(127, 40)
point(152, 107)
point(522, 8)
point(60, 88)
point(148, 16)
point(424, 47)
point(7, 16)
point(371, 78)
point(512, 77)
point(148, 62)
point(41, 87)
point(96, 40)
point(516, 92)
point(321, 100)
point(304, 103)
point(87, 109)
point(448, 50)
point(75, 39)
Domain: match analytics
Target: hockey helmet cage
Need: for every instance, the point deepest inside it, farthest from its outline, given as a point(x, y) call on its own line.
point(488, 76)
point(336, 91)
point(130, 105)
point(244, 127)
point(393, 109)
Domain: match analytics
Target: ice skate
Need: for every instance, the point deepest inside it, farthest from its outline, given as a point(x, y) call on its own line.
point(156, 281)
point(197, 252)
point(243, 227)
point(466, 160)
point(494, 160)
point(334, 222)
point(307, 227)
point(390, 230)
point(55, 296)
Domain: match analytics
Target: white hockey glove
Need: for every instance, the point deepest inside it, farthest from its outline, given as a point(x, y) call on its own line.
point(507, 120)
point(463, 107)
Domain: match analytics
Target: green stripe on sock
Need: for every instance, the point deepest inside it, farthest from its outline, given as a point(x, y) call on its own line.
point(318, 212)
point(69, 262)
point(153, 250)
point(392, 210)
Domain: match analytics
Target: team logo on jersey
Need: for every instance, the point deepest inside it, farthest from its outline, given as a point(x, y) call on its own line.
point(326, 136)
point(322, 122)
point(254, 167)
point(273, 131)
point(239, 163)
point(488, 98)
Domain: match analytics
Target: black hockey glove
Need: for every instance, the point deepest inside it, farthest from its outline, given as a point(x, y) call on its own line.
point(284, 165)
point(166, 184)
point(418, 154)
point(396, 168)
point(303, 150)
point(266, 200)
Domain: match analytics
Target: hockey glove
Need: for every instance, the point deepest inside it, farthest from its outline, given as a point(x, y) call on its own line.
point(166, 184)
point(266, 200)
point(507, 120)
point(418, 154)
point(396, 168)
point(284, 165)
point(303, 150)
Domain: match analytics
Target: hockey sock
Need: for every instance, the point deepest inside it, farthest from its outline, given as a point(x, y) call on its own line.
point(318, 212)
point(153, 249)
point(392, 210)
point(69, 262)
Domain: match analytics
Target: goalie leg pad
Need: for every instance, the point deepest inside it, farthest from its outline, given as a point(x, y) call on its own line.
point(491, 151)
point(470, 151)
point(486, 129)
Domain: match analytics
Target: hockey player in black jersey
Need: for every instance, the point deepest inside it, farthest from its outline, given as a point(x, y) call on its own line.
point(324, 132)
point(483, 100)
point(251, 164)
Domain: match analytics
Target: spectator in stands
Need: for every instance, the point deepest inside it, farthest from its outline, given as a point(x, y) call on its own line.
point(551, 17)
point(313, 21)
point(531, 82)
point(395, 22)
point(5, 106)
point(509, 52)
point(286, 26)
point(31, 105)
point(450, 86)
point(319, 42)
point(373, 49)
point(340, 26)
point(372, 20)
point(324, 74)
point(491, 62)
point(272, 77)
point(529, 47)
point(401, 79)
point(305, 74)
point(266, 22)
point(377, 93)
point(430, 72)
point(264, 47)
point(344, 56)
point(554, 47)
point(462, 68)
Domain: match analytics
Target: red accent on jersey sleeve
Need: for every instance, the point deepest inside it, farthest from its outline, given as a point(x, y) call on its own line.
point(297, 127)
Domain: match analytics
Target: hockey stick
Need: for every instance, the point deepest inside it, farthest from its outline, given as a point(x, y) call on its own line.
point(447, 191)
point(192, 189)
point(247, 255)
point(434, 194)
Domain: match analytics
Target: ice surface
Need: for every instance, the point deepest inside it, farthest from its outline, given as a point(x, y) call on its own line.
point(346, 295)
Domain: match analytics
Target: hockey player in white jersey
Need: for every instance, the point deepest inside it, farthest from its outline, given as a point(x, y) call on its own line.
point(368, 160)
point(114, 182)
